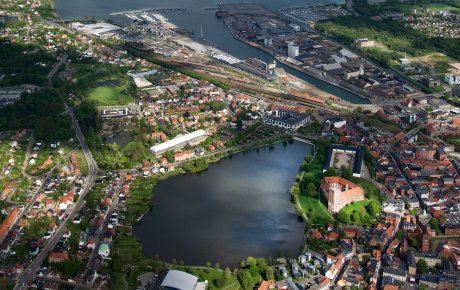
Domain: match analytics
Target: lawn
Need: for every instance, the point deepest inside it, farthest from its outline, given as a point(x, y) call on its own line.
point(211, 275)
point(110, 96)
point(373, 121)
point(358, 212)
point(316, 213)
point(355, 206)
point(82, 163)
point(370, 190)
point(118, 90)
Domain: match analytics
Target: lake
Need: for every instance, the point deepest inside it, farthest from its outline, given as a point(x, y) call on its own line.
point(239, 207)
point(193, 19)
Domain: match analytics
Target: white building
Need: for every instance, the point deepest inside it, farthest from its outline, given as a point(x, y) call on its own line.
point(193, 138)
point(286, 119)
point(295, 27)
point(104, 250)
point(293, 50)
point(452, 79)
point(393, 206)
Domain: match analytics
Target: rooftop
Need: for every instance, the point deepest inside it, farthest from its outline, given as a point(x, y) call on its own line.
point(179, 280)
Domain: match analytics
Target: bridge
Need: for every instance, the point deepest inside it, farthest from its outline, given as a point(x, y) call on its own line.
point(302, 139)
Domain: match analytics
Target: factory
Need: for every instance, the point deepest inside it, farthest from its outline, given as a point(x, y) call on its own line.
point(100, 29)
point(286, 119)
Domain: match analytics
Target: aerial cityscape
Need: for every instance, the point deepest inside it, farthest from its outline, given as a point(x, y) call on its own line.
point(237, 144)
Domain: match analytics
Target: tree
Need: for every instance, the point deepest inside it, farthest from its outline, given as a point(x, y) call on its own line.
point(254, 270)
point(311, 190)
point(344, 217)
point(269, 273)
point(346, 172)
point(169, 155)
point(400, 235)
point(330, 172)
point(422, 266)
point(227, 273)
point(434, 223)
point(373, 208)
point(245, 278)
point(355, 217)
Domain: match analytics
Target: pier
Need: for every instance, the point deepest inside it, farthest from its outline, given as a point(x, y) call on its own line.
point(147, 10)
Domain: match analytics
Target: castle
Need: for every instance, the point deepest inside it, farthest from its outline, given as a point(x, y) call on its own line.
point(339, 192)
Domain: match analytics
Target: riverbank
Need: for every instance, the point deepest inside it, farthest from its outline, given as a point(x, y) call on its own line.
point(48, 9)
point(363, 95)
point(308, 201)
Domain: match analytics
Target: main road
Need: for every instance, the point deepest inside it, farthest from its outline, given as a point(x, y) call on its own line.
point(30, 272)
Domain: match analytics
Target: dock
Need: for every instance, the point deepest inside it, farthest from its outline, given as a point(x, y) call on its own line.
point(147, 10)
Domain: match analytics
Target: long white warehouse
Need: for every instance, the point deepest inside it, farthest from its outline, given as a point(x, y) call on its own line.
point(178, 142)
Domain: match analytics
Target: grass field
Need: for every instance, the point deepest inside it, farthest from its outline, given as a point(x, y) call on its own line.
point(432, 6)
point(120, 92)
point(210, 275)
point(356, 206)
point(109, 96)
point(316, 213)
point(82, 162)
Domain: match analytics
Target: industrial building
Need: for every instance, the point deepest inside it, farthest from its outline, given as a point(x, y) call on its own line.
point(10, 95)
point(293, 50)
point(115, 113)
point(195, 137)
point(100, 29)
point(286, 119)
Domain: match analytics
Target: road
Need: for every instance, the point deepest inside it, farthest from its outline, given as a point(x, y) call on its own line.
point(30, 272)
point(55, 68)
point(63, 282)
point(101, 231)
point(350, 7)
point(28, 152)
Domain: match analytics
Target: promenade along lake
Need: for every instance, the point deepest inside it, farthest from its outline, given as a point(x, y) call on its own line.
point(239, 207)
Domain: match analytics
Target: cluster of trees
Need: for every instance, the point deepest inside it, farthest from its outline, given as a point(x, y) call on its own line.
point(312, 127)
point(454, 140)
point(361, 215)
point(239, 137)
point(216, 106)
point(391, 33)
point(69, 268)
point(41, 111)
point(222, 281)
point(422, 266)
point(321, 246)
point(251, 270)
point(31, 67)
point(197, 165)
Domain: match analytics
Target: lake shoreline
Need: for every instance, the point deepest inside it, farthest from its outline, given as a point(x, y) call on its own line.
point(144, 221)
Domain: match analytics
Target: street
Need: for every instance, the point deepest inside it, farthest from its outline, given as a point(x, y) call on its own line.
point(30, 272)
